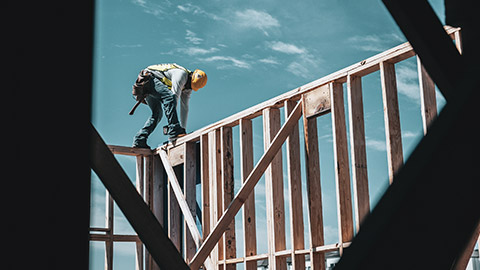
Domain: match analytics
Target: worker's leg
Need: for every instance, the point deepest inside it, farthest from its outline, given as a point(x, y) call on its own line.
point(169, 101)
point(141, 137)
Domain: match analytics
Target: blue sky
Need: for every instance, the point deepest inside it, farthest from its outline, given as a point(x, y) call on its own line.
point(251, 51)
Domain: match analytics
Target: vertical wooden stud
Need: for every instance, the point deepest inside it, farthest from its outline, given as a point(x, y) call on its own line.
point(357, 149)
point(205, 184)
point(342, 171)
point(246, 164)
point(139, 181)
point(216, 199)
point(189, 189)
point(295, 191)
point(228, 192)
point(174, 215)
point(392, 118)
point(158, 196)
point(109, 225)
point(148, 197)
point(314, 190)
point(274, 192)
point(428, 101)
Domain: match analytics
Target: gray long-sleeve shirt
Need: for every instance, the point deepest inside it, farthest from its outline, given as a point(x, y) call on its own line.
point(179, 78)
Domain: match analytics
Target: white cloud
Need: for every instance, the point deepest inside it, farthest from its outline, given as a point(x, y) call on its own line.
point(375, 43)
point(298, 69)
point(409, 134)
point(196, 50)
point(227, 61)
point(376, 144)
point(255, 19)
point(285, 48)
point(196, 10)
point(192, 37)
point(269, 60)
point(152, 8)
point(407, 82)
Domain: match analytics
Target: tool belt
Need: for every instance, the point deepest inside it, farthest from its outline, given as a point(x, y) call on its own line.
point(143, 85)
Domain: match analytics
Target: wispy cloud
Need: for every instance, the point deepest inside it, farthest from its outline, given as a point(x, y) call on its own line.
point(192, 37)
point(376, 145)
point(128, 45)
point(150, 7)
point(269, 60)
point(407, 82)
point(251, 18)
point(227, 62)
point(285, 47)
point(375, 43)
point(304, 63)
point(196, 10)
point(196, 51)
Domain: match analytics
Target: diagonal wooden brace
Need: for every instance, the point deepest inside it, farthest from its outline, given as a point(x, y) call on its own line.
point(177, 190)
point(132, 205)
point(247, 188)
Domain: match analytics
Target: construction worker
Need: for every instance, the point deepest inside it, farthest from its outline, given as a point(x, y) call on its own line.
point(165, 85)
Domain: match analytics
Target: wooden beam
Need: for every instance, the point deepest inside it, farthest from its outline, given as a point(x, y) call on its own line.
point(317, 101)
point(246, 189)
point(109, 222)
point(132, 205)
point(357, 149)
point(274, 192)
point(314, 190)
point(249, 221)
point(159, 190)
point(189, 187)
point(342, 171)
point(187, 214)
point(229, 239)
point(129, 151)
point(428, 101)
point(177, 190)
point(393, 132)
point(295, 191)
point(205, 186)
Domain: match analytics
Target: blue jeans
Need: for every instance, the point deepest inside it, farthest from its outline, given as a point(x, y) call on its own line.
point(158, 97)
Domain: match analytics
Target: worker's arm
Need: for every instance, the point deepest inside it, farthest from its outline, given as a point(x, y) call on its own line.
point(184, 101)
point(179, 79)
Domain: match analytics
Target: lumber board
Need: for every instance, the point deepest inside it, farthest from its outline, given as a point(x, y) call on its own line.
point(174, 212)
point(246, 166)
point(189, 187)
point(132, 205)
point(228, 192)
point(129, 151)
point(187, 214)
point(314, 190)
point(317, 101)
point(274, 192)
point(214, 175)
point(109, 215)
point(358, 150)
point(205, 185)
point(342, 168)
point(246, 188)
point(177, 191)
point(295, 191)
point(393, 132)
point(428, 101)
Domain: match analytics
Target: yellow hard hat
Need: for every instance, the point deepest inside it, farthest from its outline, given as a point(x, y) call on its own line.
point(199, 79)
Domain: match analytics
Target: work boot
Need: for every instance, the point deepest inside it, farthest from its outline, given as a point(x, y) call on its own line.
point(140, 145)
